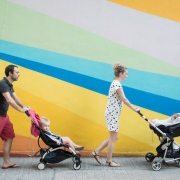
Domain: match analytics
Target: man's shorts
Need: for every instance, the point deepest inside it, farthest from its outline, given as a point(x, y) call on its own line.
point(6, 128)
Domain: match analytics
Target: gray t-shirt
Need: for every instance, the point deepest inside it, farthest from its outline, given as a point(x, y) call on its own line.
point(5, 86)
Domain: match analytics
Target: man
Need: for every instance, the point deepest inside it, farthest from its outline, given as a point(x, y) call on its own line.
point(8, 97)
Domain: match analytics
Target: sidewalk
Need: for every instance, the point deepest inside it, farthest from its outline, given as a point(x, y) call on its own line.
point(133, 168)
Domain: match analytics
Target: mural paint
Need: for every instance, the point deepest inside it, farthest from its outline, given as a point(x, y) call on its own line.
point(65, 58)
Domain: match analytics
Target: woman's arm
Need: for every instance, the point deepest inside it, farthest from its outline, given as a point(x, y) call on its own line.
point(122, 96)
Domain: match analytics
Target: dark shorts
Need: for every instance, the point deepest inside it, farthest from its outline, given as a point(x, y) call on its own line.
point(6, 128)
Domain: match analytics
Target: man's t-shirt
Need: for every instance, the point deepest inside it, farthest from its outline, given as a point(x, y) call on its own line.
point(5, 86)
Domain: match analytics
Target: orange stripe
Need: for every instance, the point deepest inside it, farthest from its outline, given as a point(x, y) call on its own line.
point(169, 9)
point(21, 145)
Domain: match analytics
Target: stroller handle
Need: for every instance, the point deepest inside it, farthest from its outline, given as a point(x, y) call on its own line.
point(139, 112)
point(27, 113)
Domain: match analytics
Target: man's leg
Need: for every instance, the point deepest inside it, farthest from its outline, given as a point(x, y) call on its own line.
point(6, 152)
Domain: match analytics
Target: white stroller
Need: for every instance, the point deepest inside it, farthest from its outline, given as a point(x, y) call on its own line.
point(168, 150)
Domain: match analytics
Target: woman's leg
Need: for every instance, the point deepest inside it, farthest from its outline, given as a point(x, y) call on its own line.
point(99, 149)
point(102, 146)
point(113, 138)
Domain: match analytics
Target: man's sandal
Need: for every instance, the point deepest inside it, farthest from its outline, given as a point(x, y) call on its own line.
point(109, 164)
point(95, 156)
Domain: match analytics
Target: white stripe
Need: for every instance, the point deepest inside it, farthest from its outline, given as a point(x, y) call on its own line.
point(143, 32)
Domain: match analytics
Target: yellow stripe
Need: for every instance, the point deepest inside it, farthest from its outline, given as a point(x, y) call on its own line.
point(77, 112)
point(65, 123)
point(169, 9)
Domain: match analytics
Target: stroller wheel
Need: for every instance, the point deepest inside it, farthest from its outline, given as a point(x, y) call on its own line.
point(77, 166)
point(74, 159)
point(156, 165)
point(149, 157)
point(177, 162)
point(41, 166)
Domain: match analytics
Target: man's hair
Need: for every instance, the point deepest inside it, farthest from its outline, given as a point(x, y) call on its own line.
point(10, 69)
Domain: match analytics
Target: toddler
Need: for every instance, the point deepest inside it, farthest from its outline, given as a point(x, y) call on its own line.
point(45, 126)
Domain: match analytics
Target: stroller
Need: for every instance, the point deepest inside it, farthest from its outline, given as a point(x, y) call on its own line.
point(165, 150)
point(54, 153)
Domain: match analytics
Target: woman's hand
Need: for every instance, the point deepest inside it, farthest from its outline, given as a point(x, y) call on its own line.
point(136, 109)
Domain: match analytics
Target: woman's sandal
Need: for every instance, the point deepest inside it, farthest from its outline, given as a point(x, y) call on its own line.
point(109, 164)
point(95, 156)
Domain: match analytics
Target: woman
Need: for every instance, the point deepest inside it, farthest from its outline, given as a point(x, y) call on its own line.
point(116, 98)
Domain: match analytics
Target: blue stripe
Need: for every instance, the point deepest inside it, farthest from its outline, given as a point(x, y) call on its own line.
point(151, 82)
point(150, 101)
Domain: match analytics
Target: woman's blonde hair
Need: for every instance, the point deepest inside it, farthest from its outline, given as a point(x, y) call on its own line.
point(118, 68)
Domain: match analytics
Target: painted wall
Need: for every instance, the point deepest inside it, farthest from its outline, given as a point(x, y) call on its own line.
point(65, 51)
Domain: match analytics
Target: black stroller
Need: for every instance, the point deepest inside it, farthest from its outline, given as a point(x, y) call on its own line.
point(54, 153)
point(165, 151)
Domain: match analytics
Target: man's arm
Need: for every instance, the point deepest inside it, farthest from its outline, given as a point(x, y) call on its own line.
point(12, 102)
point(17, 100)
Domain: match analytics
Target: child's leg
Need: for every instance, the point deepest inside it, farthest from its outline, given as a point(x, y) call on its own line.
point(67, 140)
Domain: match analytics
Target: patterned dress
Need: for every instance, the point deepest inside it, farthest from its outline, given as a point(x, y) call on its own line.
point(114, 107)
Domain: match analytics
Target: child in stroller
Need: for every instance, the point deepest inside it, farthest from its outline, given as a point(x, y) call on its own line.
point(174, 119)
point(56, 151)
point(45, 126)
point(166, 130)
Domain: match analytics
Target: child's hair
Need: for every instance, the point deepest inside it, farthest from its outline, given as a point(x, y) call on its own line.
point(44, 120)
point(118, 68)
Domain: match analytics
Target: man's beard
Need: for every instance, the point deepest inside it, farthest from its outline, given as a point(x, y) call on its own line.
point(14, 79)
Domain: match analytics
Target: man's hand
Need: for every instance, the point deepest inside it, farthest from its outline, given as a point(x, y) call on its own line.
point(25, 108)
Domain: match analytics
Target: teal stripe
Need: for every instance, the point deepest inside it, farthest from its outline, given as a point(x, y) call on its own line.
point(149, 101)
point(158, 84)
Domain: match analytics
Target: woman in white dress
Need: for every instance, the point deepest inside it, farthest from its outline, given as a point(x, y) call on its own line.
point(116, 98)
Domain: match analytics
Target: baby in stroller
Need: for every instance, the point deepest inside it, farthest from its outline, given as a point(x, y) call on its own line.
point(45, 126)
point(172, 120)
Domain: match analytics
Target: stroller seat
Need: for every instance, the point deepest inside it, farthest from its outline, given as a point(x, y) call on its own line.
point(56, 153)
point(171, 130)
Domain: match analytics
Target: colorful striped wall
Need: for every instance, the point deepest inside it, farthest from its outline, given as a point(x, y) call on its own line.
point(65, 51)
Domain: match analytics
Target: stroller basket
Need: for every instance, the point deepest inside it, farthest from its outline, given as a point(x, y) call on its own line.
point(171, 153)
point(55, 156)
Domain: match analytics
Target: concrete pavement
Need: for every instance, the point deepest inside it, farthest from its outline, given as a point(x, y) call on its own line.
point(133, 168)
